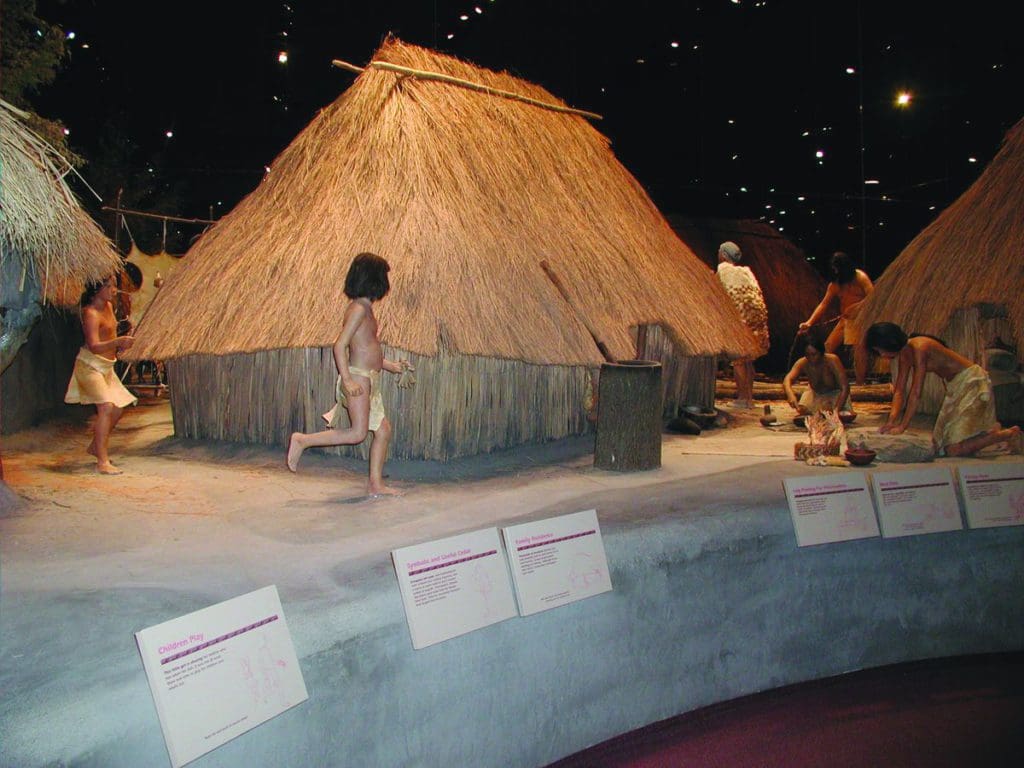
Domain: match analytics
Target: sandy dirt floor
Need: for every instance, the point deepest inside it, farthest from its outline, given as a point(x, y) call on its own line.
point(184, 501)
point(191, 497)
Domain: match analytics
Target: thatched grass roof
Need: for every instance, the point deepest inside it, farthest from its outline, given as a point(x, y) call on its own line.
point(41, 222)
point(792, 287)
point(972, 253)
point(465, 194)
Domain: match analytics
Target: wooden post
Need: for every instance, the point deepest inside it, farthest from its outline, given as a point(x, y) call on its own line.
point(629, 416)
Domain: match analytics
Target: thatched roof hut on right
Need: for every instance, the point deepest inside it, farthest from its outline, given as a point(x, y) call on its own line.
point(962, 277)
point(469, 194)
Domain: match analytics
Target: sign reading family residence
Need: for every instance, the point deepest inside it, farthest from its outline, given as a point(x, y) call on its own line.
point(993, 493)
point(453, 586)
point(220, 672)
point(557, 561)
point(916, 501)
point(830, 508)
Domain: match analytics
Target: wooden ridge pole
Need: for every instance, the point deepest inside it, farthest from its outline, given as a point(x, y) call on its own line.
point(423, 75)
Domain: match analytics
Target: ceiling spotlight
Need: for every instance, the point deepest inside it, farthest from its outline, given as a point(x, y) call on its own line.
point(819, 154)
point(282, 57)
point(169, 134)
point(871, 181)
point(463, 17)
point(850, 70)
point(903, 99)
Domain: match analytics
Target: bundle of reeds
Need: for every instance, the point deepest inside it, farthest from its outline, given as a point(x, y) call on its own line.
point(461, 405)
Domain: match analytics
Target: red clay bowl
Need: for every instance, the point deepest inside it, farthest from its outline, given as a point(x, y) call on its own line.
point(860, 457)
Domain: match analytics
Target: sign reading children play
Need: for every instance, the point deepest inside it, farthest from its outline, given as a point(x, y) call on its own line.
point(830, 508)
point(453, 586)
point(557, 561)
point(916, 501)
point(993, 493)
point(220, 671)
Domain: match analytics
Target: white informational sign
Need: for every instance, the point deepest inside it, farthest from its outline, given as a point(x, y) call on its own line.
point(557, 561)
point(830, 508)
point(916, 501)
point(453, 586)
point(993, 493)
point(220, 671)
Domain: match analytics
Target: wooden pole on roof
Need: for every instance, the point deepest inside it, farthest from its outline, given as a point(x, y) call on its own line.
point(424, 75)
point(568, 299)
point(159, 216)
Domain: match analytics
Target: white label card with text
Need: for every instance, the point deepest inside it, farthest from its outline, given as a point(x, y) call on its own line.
point(830, 508)
point(220, 671)
point(557, 561)
point(993, 493)
point(453, 586)
point(916, 501)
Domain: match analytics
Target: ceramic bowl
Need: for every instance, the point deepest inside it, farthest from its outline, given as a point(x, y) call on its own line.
point(860, 456)
point(846, 417)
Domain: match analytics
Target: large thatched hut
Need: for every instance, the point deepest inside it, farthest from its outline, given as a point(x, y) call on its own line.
point(49, 248)
point(466, 190)
point(961, 278)
point(792, 287)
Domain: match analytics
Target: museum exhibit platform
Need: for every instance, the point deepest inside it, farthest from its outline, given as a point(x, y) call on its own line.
point(712, 599)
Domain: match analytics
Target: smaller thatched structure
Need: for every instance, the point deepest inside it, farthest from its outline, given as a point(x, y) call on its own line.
point(962, 278)
point(45, 236)
point(49, 248)
point(792, 287)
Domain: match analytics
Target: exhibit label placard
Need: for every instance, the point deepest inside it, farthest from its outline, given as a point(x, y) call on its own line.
point(830, 508)
point(916, 501)
point(453, 586)
point(557, 561)
point(220, 672)
point(993, 493)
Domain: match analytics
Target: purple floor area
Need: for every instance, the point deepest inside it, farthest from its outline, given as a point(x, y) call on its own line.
point(966, 712)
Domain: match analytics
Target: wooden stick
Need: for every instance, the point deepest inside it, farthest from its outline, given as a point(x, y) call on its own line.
point(422, 75)
point(565, 295)
point(160, 216)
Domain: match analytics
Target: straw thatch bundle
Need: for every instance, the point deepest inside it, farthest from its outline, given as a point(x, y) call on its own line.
point(792, 287)
point(960, 278)
point(42, 227)
point(465, 193)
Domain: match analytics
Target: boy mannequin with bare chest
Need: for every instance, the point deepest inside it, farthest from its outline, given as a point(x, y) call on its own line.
point(359, 360)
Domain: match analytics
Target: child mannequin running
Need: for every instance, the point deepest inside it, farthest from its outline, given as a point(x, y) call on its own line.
point(360, 359)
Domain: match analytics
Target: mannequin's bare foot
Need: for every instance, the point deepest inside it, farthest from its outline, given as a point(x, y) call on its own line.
point(382, 490)
point(1016, 441)
point(106, 468)
point(295, 449)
